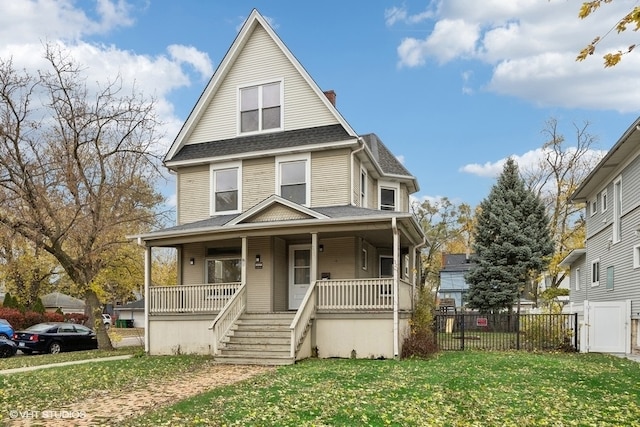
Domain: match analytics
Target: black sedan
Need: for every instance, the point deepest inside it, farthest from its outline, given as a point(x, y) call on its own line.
point(7, 348)
point(54, 338)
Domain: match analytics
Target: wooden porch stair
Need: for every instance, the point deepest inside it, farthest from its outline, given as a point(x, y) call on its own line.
point(259, 339)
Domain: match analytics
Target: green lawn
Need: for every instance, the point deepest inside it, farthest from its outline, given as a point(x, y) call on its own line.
point(45, 359)
point(453, 389)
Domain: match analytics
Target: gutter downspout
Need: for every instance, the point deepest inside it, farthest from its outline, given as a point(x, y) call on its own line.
point(353, 155)
point(396, 287)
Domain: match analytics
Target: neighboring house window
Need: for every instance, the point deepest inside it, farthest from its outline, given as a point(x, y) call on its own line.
point(226, 183)
point(603, 200)
point(293, 178)
point(261, 107)
point(636, 256)
point(617, 210)
point(577, 279)
point(595, 272)
point(365, 260)
point(610, 278)
point(386, 270)
point(593, 207)
point(363, 188)
point(388, 196)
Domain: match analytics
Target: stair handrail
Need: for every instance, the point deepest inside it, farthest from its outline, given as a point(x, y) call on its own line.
point(226, 318)
point(306, 311)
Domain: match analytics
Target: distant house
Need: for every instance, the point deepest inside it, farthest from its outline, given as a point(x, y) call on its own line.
point(452, 282)
point(66, 303)
point(131, 311)
point(605, 274)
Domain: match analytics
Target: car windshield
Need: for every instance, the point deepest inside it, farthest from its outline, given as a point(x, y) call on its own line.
point(40, 327)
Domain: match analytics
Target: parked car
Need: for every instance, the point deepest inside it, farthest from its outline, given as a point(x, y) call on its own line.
point(106, 319)
point(7, 347)
point(54, 338)
point(6, 331)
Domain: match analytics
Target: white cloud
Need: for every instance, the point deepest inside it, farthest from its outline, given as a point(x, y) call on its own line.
point(531, 46)
point(400, 158)
point(192, 56)
point(396, 14)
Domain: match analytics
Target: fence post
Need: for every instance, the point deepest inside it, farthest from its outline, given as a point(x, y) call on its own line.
point(517, 331)
point(575, 331)
point(462, 316)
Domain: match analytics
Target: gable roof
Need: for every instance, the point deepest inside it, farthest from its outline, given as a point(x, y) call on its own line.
point(618, 154)
point(271, 201)
point(456, 263)
point(255, 19)
point(60, 300)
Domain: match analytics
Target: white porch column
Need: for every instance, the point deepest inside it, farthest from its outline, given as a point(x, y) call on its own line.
point(147, 296)
point(396, 287)
point(314, 258)
point(243, 265)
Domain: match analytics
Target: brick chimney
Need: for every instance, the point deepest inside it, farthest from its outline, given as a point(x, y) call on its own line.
point(331, 96)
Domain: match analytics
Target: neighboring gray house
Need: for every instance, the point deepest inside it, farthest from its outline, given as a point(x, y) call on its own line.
point(605, 275)
point(452, 282)
point(66, 303)
point(294, 233)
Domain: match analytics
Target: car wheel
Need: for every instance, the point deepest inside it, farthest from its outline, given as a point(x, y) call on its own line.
point(5, 352)
point(55, 347)
point(5, 336)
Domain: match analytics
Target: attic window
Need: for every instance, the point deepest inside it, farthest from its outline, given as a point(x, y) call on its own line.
point(261, 107)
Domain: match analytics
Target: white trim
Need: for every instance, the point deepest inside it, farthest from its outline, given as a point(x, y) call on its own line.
point(260, 84)
point(595, 283)
point(616, 232)
point(212, 197)
point(603, 200)
point(306, 157)
point(389, 186)
point(636, 256)
point(291, 267)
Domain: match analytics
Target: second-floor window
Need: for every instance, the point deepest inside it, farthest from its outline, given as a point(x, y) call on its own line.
point(261, 107)
point(363, 188)
point(293, 179)
point(226, 188)
point(595, 272)
point(388, 197)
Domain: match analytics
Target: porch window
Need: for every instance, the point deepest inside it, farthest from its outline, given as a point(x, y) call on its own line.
point(293, 178)
point(595, 272)
point(224, 270)
point(386, 266)
point(261, 107)
point(364, 261)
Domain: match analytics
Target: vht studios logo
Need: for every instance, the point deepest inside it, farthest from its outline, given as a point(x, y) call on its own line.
point(47, 414)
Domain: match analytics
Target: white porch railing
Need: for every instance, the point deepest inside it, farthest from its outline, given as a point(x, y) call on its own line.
point(191, 298)
point(232, 310)
point(303, 316)
point(361, 294)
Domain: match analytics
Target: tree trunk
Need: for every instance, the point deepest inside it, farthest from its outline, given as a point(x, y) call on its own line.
point(95, 320)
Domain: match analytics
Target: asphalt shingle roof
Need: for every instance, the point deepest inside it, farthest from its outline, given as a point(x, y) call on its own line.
point(384, 157)
point(262, 142)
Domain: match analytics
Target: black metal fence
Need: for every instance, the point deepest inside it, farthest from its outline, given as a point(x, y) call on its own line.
point(507, 331)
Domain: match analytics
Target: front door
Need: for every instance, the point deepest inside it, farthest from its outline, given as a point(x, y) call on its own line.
point(299, 274)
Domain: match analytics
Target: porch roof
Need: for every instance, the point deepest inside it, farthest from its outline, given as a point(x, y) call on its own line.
point(347, 215)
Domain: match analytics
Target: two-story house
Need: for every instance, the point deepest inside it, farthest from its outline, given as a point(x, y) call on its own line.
point(605, 274)
point(453, 285)
point(294, 235)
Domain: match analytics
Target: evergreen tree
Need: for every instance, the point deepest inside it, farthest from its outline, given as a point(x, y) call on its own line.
point(38, 306)
point(512, 243)
point(8, 302)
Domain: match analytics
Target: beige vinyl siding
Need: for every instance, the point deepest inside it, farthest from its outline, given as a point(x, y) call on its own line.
point(371, 261)
point(280, 276)
point(193, 194)
point(338, 257)
point(259, 288)
point(355, 177)
point(372, 195)
point(330, 178)
point(258, 181)
point(193, 274)
point(261, 61)
point(403, 198)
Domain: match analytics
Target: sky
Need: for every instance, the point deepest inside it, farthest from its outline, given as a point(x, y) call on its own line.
point(452, 87)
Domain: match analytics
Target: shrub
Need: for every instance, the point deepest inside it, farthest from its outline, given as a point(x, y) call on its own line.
point(546, 332)
point(421, 339)
point(38, 306)
point(79, 318)
point(53, 317)
point(31, 318)
point(9, 301)
point(13, 316)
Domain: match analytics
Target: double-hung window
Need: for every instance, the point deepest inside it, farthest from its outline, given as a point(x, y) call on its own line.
point(261, 107)
point(617, 210)
point(226, 185)
point(388, 196)
point(293, 178)
point(595, 272)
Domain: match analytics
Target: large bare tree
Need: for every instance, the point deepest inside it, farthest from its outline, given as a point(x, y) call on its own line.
point(77, 168)
point(554, 178)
